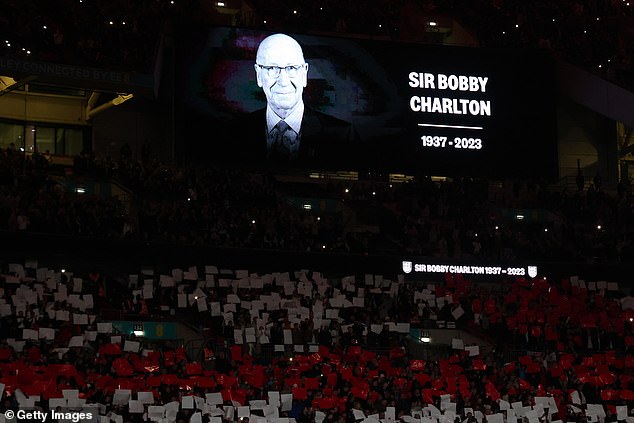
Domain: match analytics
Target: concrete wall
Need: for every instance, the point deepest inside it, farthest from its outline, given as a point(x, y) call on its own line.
point(586, 135)
point(136, 122)
point(32, 107)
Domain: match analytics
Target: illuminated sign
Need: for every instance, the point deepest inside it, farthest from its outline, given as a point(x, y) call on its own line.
point(409, 267)
point(365, 104)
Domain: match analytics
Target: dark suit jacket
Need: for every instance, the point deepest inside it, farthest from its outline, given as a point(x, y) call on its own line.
point(321, 136)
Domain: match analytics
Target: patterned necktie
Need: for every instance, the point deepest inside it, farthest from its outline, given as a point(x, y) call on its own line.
point(283, 141)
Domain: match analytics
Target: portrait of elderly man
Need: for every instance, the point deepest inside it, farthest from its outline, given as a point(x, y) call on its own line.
point(287, 129)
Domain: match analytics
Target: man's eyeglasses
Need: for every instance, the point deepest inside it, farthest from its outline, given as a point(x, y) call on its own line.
point(274, 71)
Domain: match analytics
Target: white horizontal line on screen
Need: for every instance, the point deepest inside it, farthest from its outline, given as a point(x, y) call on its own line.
point(450, 126)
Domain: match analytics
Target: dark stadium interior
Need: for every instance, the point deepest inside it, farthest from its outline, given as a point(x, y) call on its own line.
point(152, 269)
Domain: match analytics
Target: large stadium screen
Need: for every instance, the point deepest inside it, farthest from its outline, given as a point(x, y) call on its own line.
point(350, 104)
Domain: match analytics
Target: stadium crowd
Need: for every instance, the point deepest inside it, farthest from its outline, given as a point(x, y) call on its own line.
point(124, 34)
point(456, 218)
point(106, 34)
point(299, 345)
point(303, 346)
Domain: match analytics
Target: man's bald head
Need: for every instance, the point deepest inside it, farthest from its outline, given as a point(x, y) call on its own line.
point(279, 45)
point(281, 72)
